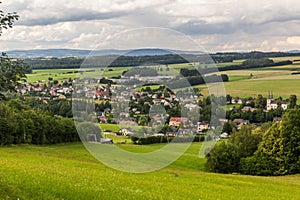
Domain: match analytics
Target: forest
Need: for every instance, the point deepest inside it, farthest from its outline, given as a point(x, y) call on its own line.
point(125, 61)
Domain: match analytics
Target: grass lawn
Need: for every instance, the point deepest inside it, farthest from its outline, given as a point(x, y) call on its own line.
point(119, 139)
point(70, 172)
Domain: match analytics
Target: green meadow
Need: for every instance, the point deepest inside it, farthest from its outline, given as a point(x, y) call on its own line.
point(68, 171)
point(245, 83)
point(56, 74)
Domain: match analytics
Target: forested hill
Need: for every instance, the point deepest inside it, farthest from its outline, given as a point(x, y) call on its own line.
point(121, 61)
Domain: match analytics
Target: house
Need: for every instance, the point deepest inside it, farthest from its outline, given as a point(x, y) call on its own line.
point(202, 126)
point(240, 122)
point(224, 135)
point(126, 132)
point(236, 101)
point(284, 105)
point(272, 103)
point(61, 96)
point(176, 121)
point(191, 106)
point(127, 122)
point(223, 121)
point(106, 141)
point(277, 119)
point(159, 118)
point(247, 108)
point(102, 119)
point(156, 101)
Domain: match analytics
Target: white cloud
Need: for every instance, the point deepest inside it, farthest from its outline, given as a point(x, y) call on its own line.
point(294, 40)
point(216, 25)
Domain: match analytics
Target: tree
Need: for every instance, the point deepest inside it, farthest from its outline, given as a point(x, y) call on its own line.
point(7, 20)
point(228, 127)
point(292, 101)
point(11, 71)
point(223, 158)
point(246, 141)
point(279, 151)
point(260, 102)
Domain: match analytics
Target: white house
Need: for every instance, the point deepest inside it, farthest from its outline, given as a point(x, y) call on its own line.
point(272, 104)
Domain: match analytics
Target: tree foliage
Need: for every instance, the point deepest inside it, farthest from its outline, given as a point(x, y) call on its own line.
point(7, 20)
point(20, 124)
point(278, 153)
point(225, 157)
point(11, 71)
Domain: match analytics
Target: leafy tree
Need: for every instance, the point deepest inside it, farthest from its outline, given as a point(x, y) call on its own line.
point(279, 151)
point(7, 20)
point(228, 127)
point(246, 141)
point(292, 101)
point(11, 71)
point(223, 158)
point(260, 102)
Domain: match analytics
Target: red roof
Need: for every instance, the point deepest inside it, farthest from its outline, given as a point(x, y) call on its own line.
point(178, 119)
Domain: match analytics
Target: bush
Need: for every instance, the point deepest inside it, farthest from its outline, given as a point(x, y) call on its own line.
point(261, 165)
point(223, 158)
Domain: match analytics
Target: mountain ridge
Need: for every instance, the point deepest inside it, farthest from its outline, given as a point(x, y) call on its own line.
point(59, 53)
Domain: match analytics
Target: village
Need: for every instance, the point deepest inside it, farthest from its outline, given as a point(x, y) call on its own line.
point(124, 105)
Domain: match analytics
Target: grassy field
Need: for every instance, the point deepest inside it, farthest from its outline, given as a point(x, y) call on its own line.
point(42, 75)
point(70, 172)
point(251, 82)
point(56, 74)
point(251, 88)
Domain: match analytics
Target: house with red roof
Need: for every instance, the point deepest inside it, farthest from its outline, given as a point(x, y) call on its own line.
point(176, 121)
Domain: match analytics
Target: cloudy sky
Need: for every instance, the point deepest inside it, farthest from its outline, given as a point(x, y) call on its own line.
point(215, 25)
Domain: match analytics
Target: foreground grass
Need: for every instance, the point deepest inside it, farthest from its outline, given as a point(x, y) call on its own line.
point(70, 172)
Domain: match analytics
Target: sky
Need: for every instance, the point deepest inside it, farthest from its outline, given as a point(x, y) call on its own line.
point(214, 25)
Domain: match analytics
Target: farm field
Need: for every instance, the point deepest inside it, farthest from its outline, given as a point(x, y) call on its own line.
point(68, 171)
point(42, 75)
point(251, 82)
point(241, 83)
point(284, 87)
point(56, 74)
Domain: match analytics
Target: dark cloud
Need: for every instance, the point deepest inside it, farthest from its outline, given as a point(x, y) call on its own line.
point(198, 27)
point(69, 16)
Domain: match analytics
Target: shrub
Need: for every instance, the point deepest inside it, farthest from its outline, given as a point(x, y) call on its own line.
point(223, 158)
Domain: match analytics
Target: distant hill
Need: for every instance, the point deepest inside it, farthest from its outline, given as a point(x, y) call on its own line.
point(59, 53)
point(294, 51)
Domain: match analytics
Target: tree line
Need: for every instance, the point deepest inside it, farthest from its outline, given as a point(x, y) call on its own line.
point(247, 64)
point(125, 61)
point(20, 124)
point(197, 80)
